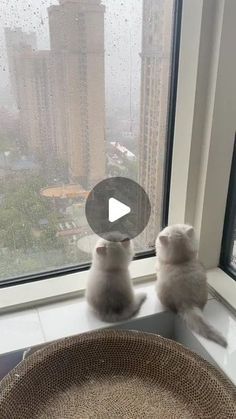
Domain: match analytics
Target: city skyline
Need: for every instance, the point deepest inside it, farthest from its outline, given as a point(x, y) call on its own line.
point(75, 126)
point(122, 48)
point(60, 93)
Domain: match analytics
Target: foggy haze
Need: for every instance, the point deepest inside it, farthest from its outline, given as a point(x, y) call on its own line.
point(122, 46)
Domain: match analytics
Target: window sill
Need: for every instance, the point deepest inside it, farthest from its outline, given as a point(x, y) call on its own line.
point(223, 287)
point(42, 325)
point(73, 285)
point(225, 322)
point(64, 287)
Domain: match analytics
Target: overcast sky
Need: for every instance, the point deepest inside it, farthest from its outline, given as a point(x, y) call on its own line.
point(122, 42)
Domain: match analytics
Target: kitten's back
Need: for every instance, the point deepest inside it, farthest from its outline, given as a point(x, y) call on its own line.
point(109, 289)
point(181, 279)
point(182, 284)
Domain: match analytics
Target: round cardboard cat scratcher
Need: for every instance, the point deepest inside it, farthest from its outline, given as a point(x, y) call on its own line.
point(116, 374)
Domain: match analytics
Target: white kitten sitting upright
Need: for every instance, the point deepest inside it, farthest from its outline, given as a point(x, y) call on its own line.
point(109, 289)
point(181, 279)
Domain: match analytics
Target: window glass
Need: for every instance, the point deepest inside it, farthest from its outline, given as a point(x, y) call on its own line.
point(84, 95)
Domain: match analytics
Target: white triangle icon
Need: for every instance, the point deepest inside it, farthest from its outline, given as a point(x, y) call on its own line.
point(117, 210)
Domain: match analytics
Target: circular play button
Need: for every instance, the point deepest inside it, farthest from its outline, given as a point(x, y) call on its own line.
point(118, 204)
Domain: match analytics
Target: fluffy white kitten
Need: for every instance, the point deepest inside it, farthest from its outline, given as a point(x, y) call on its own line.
point(109, 288)
point(181, 279)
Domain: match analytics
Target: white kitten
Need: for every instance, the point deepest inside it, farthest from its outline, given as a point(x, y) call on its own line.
point(181, 279)
point(109, 289)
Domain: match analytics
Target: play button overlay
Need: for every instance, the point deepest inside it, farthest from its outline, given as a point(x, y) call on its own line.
point(118, 205)
point(117, 210)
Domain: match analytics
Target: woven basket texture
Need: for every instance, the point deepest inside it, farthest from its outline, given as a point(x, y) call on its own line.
point(116, 374)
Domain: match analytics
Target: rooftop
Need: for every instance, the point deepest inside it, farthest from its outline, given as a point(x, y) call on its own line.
point(64, 191)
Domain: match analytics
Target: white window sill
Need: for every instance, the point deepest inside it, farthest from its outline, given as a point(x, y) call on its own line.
point(64, 287)
point(225, 322)
point(47, 310)
point(223, 287)
point(43, 324)
point(73, 285)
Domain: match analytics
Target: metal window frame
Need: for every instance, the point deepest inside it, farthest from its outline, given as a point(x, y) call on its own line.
point(229, 221)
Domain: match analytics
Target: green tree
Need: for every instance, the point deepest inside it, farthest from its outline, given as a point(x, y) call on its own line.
point(22, 209)
point(48, 239)
point(18, 236)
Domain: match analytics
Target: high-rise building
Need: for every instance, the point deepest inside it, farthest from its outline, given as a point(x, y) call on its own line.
point(155, 80)
point(77, 34)
point(17, 40)
point(61, 92)
point(20, 48)
point(33, 82)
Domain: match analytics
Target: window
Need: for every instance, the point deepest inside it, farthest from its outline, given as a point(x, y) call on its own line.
point(205, 124)
point(75, 87)
point(228, 250)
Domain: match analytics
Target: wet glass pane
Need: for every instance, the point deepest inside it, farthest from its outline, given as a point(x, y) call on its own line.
point(84, 95)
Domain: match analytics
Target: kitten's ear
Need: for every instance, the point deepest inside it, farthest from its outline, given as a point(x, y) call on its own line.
point(126, 242)
point(163, 240)
point(190, 232)
point(101, 250)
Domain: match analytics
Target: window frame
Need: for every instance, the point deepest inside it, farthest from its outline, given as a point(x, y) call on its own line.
point(204, 131)
point(229, 222)
point(70, 270)
point(175, 58)
point(198, 189)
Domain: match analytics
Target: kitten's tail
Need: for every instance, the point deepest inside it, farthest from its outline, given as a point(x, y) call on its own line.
point(194, 319)
point(127, 313)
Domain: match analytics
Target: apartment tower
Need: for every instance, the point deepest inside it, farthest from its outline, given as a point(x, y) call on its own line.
point(60, 92)
point(155, 81)
point(77, 39)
